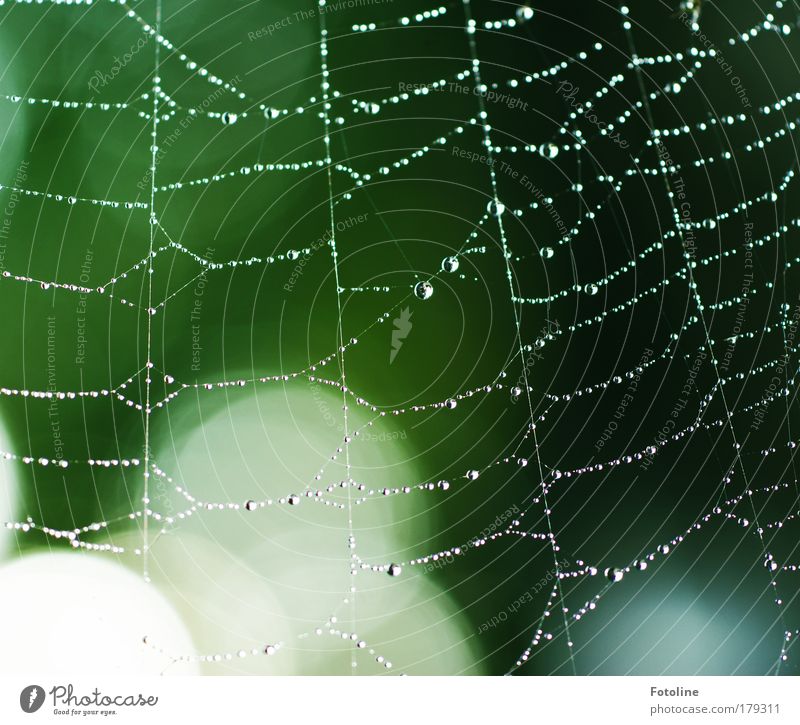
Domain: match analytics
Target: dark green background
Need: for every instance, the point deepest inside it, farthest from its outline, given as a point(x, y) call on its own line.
point(709, 595)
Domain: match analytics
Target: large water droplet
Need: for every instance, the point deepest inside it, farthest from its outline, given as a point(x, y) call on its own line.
point(548, 150)
point(450, 264)
point(614, 575)
point(524, 13)
point(423, 290)
point(495, 208)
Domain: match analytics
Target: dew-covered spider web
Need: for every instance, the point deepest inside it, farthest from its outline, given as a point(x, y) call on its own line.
point(391, 338)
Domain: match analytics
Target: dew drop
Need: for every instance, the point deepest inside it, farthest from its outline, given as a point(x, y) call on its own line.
point(423, 290)
point(450, 264)
point(614, 575)
point(524, 13)
point(495, 208)
point(548, 150)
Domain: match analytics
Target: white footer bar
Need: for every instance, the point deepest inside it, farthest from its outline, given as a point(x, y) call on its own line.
point(389, 700)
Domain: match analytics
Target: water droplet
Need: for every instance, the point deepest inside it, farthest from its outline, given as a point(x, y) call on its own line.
point(524, 13)
point(423, 290)
point(546, 252)
point(394, 570)
point(614, 575)
point(292, 254)
point(548, 150)
point(450, 264)
point(229, 118)
point(591, 289)
point(495, 208)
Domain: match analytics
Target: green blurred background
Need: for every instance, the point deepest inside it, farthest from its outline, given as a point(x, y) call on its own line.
point(239, 579)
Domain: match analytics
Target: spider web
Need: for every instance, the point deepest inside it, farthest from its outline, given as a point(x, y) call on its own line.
point(719, 325)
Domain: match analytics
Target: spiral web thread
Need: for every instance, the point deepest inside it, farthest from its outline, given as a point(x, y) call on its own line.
point(649, 161)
